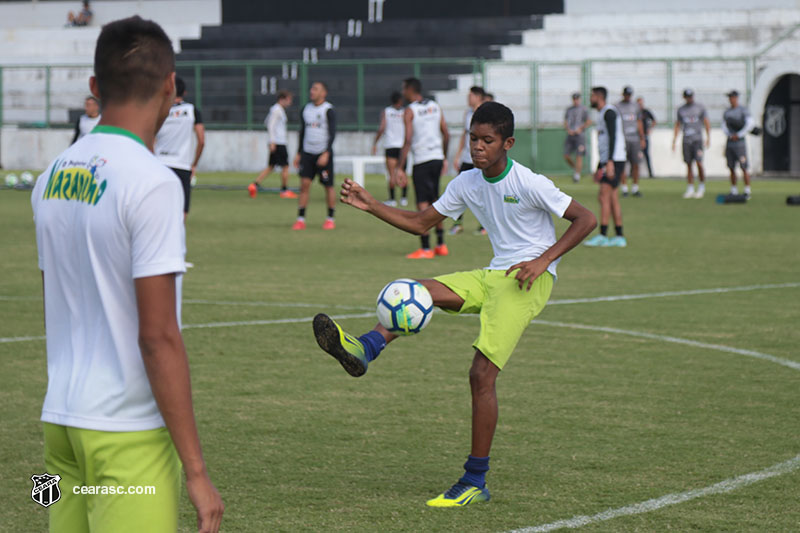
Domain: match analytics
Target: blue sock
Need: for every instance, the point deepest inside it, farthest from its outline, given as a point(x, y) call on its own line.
point(373, 344)
point(475, 471)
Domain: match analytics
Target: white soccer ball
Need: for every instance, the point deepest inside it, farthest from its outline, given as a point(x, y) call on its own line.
point(27, 178)
point(11, 180)
point(405, 307)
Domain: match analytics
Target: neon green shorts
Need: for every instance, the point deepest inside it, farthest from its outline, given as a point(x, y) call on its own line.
point(505, 310)
point(113, 481)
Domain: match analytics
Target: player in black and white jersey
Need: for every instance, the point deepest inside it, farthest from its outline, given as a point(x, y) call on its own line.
point(393, 131)
point(86, 122)
point(463, 162)
point(612, 155)
point(278, 155)
point(427, 138)
point(180, 141)
point(315, 157)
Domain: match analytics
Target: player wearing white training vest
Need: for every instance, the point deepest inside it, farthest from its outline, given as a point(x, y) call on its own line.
point(317, 132)
point(393, 131)
point(175, 141)
point(611, 147)
point(86, 122)
point(278, 154)
point(475, 97)
point(427, 138)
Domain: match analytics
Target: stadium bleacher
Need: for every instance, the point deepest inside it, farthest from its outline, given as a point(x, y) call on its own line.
point(224, 89)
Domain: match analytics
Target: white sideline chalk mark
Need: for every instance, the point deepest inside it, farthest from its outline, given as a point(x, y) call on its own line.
point(722, 487)
point(794, 365)
point(270, 321)
point(273, 304)
point(4, 340)
point(720, 290)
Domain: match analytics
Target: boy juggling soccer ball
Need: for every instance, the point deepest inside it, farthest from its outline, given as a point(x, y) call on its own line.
point(515, 205)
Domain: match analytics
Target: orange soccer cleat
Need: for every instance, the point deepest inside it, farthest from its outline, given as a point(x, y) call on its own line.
point(441, 250)
point(287, 194)
point(421, 254)
point(300, 224)
point(329, 224)
point(252, 190)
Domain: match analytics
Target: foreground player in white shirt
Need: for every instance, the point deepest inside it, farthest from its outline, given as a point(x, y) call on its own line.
point(278, 154)
point(110, 238)
point(516, 206)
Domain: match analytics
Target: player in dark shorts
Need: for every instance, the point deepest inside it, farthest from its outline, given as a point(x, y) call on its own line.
point(692, 118)
point(736, 123)
point(648, 123)
point(278, 154)
point(392, 129)
point(576, 120)
point(315, 158)
point(611, 149)
point(426, 138)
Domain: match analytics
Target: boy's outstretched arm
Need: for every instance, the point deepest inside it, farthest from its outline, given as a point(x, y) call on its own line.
point(583, 222)
point(416, 222)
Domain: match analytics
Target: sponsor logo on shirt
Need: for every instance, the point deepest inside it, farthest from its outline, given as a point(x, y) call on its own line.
point(511, 199)
point(68, 181)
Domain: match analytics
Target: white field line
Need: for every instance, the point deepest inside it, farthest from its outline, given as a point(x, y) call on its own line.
point(722, 487)
point(4, 340)
point(677, 340)
point(720, 290)
point(616, 298)
point(274, 304)
point(271, 321)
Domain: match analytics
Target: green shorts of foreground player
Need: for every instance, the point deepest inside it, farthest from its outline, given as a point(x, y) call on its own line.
point(86, 459)
point(505, 310)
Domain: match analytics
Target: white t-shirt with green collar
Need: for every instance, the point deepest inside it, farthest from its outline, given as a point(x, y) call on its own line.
point(106, 212)
point(516, 208)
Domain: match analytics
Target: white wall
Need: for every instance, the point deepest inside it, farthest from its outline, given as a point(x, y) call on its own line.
point(246, 151)
point(54, 14)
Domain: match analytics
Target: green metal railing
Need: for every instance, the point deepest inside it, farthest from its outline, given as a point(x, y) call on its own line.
point(233, 85)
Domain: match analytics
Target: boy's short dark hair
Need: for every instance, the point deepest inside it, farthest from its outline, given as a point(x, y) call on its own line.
point(324, 85)
point(601, 91)
point(180, 87)
point(478, 91)
point(283, 94)
point(93, 99)
point(395, 97)
point(496, 115)
point(414, 84)
point(132, 59)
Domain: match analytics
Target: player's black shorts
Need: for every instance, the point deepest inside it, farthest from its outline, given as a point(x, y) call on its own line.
point(465, 166)
point(394, 153)
point(309, 168)
point(186, 181)
point(426, 180)
point(619, 168)
point(279, 157)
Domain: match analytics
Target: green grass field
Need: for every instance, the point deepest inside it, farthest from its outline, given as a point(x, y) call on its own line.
point(590, 420)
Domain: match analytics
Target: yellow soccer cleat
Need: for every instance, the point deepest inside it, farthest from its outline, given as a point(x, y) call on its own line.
point(460, 495)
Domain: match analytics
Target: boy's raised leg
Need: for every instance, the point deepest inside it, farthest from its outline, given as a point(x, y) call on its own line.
point(355, 353)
